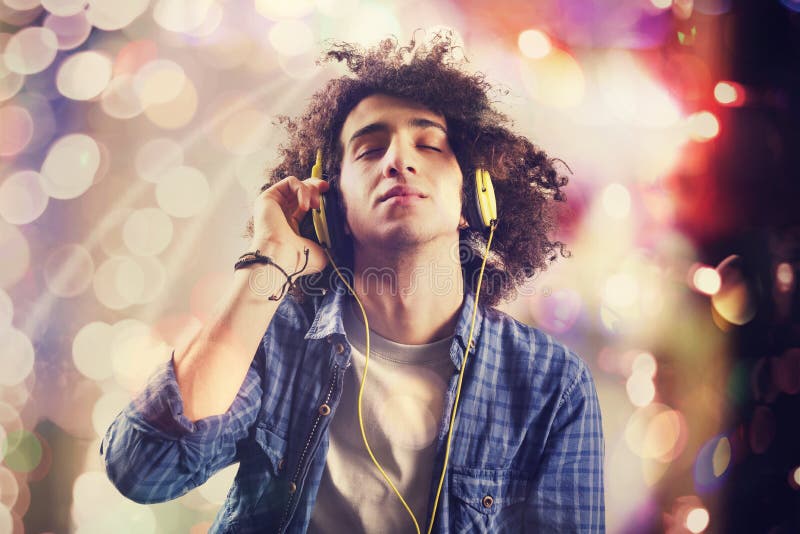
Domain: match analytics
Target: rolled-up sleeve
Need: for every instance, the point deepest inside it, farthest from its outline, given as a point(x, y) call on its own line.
point(568, 493)
point(154, 453)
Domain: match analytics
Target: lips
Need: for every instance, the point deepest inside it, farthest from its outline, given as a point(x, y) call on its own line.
point(401, 190)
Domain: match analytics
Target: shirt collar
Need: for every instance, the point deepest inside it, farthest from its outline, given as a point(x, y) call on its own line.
point(328, 319)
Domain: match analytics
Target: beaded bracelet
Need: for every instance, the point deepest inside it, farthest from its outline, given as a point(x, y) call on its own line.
point(250, 258)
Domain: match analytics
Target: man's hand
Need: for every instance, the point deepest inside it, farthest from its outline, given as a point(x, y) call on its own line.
point(276, 217)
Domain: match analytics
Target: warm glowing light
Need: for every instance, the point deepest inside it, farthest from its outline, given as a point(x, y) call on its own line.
point(534, 44)
point(246, 131)
point(796, 476)
point(156, 157)
point(662, 440)
point(336, 8)
point(784, 276)
point(175, 113)
point(9, 489)
point(279, 10)
point(641, 390)
point(10, 82)
point(291, 37)
point(183, 191)
point(735, 301)
point(697, 520)
point(16, 254)
point(182, 16)
point(555, 80)
point(84, 75)
point(373, 23)
point(107, 408)
point(22, 199)
point(147, 231)
point(90, 350)
point(120, 99)
point(725, 93)
point(68, 270)
point(112, 15)
point(159, 81)
point(6, 310)
point(706, 280)
point(31, 50)
point(16, 358)
point(118, 282)
point(136, 350)
point(64, 8)
point(616, 201)
point(703, 126)
point(661, 4)
point(17, 130)
point(621, 290)
point(721, 457)
point(645, 364)
point(70, 166)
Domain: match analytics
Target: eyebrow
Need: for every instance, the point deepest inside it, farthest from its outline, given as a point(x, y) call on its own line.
point(416, 122)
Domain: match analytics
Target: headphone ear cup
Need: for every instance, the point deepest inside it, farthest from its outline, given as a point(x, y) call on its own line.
point(481, 205)
point(335, 217)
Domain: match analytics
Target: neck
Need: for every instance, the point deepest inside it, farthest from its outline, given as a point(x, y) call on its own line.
point(411, 297)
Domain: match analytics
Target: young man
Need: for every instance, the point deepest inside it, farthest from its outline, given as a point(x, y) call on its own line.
point(276, 384)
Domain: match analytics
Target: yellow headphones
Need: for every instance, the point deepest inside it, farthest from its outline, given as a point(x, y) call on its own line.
point(480, 210)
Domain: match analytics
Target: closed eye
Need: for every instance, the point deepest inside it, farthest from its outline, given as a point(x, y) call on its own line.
point(368, 152)
point(430, 147)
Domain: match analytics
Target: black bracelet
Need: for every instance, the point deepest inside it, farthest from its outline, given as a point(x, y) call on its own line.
point(250, 258)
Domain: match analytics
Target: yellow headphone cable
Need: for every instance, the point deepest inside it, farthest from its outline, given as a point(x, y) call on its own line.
point(493, 225)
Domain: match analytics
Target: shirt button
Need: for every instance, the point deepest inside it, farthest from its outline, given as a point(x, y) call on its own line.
point(488, 501)
point(329, 339)
point(324, 409)
point(292, 487)
point(339, 348)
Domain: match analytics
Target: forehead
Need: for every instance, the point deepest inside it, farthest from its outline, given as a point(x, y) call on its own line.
point(385, 109)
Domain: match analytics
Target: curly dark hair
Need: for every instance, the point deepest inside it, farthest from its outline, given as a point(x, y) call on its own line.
point(525, 180)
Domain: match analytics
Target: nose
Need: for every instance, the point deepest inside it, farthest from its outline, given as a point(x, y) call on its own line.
point(398, 160)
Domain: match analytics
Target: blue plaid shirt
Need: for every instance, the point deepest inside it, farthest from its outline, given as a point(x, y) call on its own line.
point(527, 433)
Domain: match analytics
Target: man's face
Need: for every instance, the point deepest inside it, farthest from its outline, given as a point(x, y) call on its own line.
point(400, 181)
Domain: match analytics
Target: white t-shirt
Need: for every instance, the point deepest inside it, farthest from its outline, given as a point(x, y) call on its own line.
point(402, 410)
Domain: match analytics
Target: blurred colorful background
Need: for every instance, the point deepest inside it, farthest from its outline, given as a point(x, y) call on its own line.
point(134, 136)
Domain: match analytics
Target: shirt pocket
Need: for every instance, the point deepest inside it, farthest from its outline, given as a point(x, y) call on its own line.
point(261, 487)
point(487, 500)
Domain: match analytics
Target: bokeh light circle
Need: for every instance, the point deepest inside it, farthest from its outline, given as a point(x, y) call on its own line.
point(6, 310)
point(136, 350)
point(22, 198)
point(64, 8)
point(68, 270)
point(31, 50)
point(16, 358)
point(70, 166)
point(159, 81)
point(26, 453)
point(177, 112)
point(697, 520)
point(120, 99)
point(291, 37)
point(16, 254)
point(91, 350)
point(183, 191)
point(156, 157)
point(107, 408)
point(71, 31)
point(84, 75)
point(147, 231)
point(112, 15)
point(17, 130)
point(181, 16)
point(556, 80)
point(280, 10)
point(9, 488)
point(534, 44)
point(118, 282)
